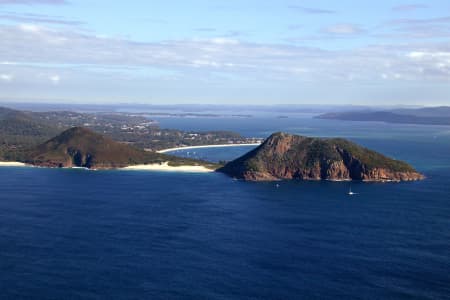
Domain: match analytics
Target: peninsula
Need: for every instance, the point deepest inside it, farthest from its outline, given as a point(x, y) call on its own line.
point(81, 147)
point(286, 156)
point(20, 130)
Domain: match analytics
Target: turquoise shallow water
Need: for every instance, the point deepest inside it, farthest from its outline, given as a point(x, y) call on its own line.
point(76, 234)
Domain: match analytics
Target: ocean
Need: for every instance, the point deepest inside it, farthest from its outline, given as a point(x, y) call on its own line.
point(77, 234)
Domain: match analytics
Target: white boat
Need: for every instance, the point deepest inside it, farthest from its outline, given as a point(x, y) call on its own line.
point(350, 193)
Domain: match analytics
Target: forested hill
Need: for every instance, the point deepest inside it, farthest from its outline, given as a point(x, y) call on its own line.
point(82, 147)
point(286, 156)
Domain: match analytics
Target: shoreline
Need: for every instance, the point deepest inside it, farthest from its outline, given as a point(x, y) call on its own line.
point(205, 146)
point(150, 167)
point(12, 164)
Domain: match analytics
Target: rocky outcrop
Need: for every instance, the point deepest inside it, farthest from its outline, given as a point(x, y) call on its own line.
point(285, 156)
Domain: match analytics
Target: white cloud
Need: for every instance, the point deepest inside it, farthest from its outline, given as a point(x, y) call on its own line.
point(6, 77)
point(224, 41)
point(422, 54)
point(29, 28)
point(202, 63)
point(55, 79)
point(40, 47)
point(435, 62)
point(409, 7)
point(416, 54)
point(311, 10)
point(343, 29)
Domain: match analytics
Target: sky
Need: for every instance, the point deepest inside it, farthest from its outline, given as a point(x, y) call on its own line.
point(225, 52)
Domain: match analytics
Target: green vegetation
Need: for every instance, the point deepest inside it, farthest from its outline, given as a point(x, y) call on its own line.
point(82, 147)
point(21, 130)
point(319, 150)
point(290, 156)
point(371, 159)
point(137, 129)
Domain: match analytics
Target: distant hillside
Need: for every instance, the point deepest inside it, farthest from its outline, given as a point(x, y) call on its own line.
point(20, 130)
point(423, 116)
point(81, 147)
point(18, 123)
point(285, 156)
point(437, 111)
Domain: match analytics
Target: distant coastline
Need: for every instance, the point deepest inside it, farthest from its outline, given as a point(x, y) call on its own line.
point(206, 146)
point(422, 116)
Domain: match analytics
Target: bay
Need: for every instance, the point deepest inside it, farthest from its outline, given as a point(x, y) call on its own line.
point(77, 234)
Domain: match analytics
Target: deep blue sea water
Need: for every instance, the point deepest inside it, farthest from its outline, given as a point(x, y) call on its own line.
point(75, 234)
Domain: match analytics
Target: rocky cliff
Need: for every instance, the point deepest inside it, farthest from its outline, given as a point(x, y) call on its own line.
point(285, 156)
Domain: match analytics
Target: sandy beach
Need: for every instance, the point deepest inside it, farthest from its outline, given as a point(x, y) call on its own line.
point(152, 167)
point(206, 146)
point(11, 164)
point(165, 167)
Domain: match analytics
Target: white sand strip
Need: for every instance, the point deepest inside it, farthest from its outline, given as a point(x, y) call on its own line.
point(206, 146)
point(165, 167)
point(12, 164)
